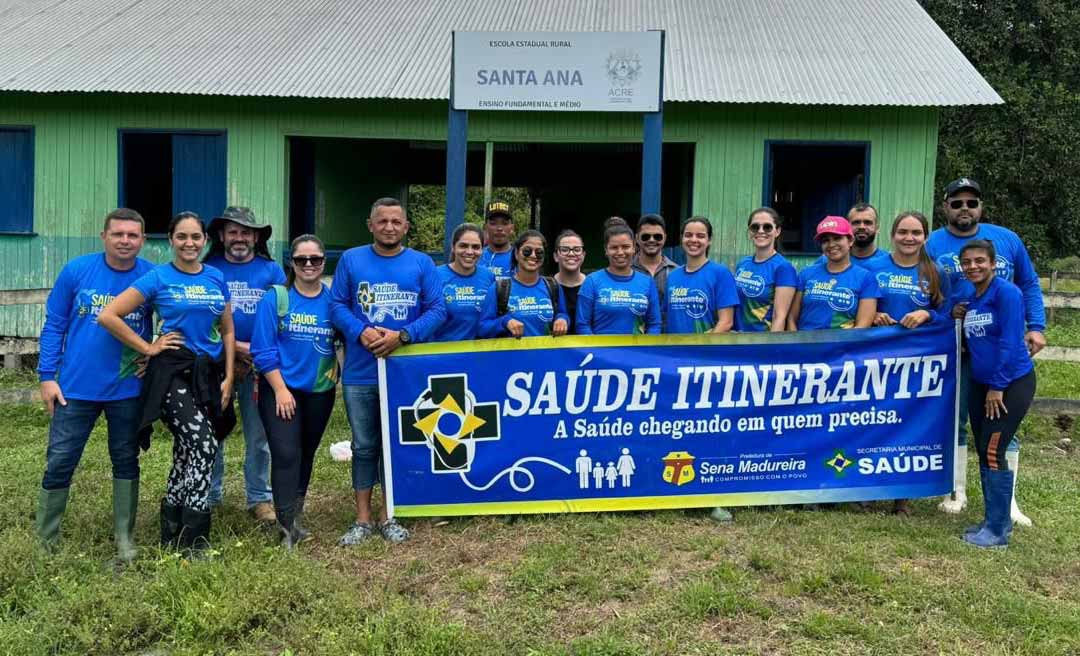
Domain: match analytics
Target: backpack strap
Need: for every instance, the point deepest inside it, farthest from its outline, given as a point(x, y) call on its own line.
point(281, 295)
point(502, 295)
point(553, 292)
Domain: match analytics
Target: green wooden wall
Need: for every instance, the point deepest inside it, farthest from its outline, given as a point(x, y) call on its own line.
point(76, 172)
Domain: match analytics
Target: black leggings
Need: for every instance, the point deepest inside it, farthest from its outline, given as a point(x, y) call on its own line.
point(992, 436)
point(293, 443)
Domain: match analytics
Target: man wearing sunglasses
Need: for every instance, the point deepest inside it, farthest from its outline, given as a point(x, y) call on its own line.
point(238, 247)
point(650, 258)
point(963, 209)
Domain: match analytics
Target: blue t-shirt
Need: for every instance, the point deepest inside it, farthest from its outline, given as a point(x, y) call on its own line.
point(188, 303)
point(903, 290)
point(464, 297)
point(994, 333)
point(694, 298)
point(831, 300)
point(756, 283)
point(300, 345)
point(499, 264)
point(247, 283)
point(397, 292)
point(609, 304)
point(1013, 264)
point(529, 304)
point(879, 255)
point(92, 364)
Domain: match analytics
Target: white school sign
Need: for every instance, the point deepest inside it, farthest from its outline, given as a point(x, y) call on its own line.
point(557, 71)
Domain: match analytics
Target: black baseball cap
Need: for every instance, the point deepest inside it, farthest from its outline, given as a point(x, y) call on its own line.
point(962, 184)
point(497, 208)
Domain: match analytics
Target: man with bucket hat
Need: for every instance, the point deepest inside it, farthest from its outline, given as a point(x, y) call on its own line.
point(238, 247)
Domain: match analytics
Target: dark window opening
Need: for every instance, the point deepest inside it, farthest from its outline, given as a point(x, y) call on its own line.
point(805, 182)
point(16, 180)
point(163, 173)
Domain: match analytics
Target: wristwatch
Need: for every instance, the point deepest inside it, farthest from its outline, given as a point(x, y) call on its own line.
point(404, 336)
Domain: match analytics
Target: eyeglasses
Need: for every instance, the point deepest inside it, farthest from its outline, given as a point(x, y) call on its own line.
point(571, 250)
point(651, 236)
point(761, 227)
point(971, 203)
point(529, 251)
point(308, 260)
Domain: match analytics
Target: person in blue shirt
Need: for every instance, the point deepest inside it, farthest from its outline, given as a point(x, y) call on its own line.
point(465, 286)
point(765, 281)
point(238, 248)
point(1003, 382)
point(618, 300)
point(189, 376)
point(293, 345)
point(701, 295)
point(384, 296)
point(963, 208)
point(837, 293)
point(863, 218)
point(526, 304)
point(499, 225)
point(570, 255)
point(85, 372)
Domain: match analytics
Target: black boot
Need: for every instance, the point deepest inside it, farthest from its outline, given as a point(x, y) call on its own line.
point(171, 517)
point(195, 533)
point(290, 536)
point(298, 519)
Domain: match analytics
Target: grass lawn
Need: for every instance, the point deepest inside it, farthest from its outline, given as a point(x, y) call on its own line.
point(11, 379)
point(1059, 380)
point(774, 582)
point(1064, 330)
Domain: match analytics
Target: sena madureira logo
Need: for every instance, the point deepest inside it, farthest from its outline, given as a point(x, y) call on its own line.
point(447, 417)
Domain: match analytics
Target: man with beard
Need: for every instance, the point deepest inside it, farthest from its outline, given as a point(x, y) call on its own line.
point(384, 296)
point(498, 233)
point(963, 209)
point(863, 218)
point(650, 259)
point(238, 247)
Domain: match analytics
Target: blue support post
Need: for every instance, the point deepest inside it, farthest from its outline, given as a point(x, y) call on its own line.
point(653, 148)
point(457, 146)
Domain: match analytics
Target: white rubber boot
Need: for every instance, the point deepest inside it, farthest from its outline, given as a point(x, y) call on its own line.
point(1013, 458)
point(958, 501)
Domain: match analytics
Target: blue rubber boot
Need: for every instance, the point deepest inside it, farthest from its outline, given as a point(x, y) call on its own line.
point(971, 530)
point(998, 521)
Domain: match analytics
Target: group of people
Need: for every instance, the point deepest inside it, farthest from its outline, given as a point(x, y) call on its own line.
point(233, 323)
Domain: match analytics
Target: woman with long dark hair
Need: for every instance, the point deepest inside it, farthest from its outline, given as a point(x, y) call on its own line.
point(766, 280)
point(1002, 383)
point(618, 300)
point(294, 350)
point(570, 255)
point(189, 375)
point(465, 285)
point(835, 293)
point(527, 304)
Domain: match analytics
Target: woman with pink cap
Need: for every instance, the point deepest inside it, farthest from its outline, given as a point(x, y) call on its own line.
point(834, 293)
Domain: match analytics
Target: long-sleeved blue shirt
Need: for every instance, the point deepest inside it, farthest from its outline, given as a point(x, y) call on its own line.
point(530, 304)
point(401, 291)
point(247, 283)
point(299, 345)
point(1013, 264)
point(87, 362)
point(994, 330)
point(695, 297)
point(499, 264)
point(464, 297)
point(188, 303)
point(610, 304)
point(903, 290)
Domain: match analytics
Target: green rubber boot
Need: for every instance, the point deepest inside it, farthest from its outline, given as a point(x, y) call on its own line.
point(51, 506)
point(125, 504)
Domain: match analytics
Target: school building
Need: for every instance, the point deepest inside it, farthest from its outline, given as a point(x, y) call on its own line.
point(307, 110)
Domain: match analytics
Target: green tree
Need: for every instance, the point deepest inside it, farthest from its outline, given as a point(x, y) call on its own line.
point(427, 212)
point(1024, 153)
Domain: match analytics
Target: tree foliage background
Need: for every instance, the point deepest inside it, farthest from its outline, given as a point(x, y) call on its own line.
point(1024, 153)
point(427, 212)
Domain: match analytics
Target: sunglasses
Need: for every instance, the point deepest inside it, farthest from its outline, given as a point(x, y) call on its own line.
point(571, 250)
point(971, 203)
point(761, 227)
point(651, 236)
point(308, 260)
point(529, 251)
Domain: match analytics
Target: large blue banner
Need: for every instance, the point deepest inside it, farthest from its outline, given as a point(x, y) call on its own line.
point(571, 424)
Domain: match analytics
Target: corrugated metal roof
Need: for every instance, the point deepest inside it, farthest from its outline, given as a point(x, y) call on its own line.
point(831, 52)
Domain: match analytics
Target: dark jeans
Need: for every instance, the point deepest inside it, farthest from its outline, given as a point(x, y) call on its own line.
point(993, 436)
point(70, 430)
point(293, 443)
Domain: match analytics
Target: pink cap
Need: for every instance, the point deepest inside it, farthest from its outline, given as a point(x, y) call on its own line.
point(833, 225)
